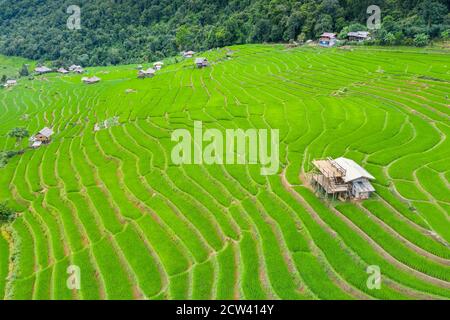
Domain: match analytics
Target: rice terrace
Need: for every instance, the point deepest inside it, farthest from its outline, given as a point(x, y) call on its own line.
point(100, 197)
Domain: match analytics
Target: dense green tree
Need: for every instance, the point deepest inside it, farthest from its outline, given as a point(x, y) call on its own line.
point(184, 38)
point(421, 40)
point(19, 134)
point(129, 30)
point(6, 213)
point(24, 71)
point(432, 11)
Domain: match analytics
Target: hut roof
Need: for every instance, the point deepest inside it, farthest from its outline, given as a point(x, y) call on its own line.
point(91, 80)
point(353, 170)
point(46, 132)
point(328, 35)
point(42, 69)
point(200, 60)
point(359, 34)
point(73, 67)
point(148, 71)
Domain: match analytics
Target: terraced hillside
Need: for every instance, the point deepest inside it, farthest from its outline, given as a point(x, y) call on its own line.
point(112, 203)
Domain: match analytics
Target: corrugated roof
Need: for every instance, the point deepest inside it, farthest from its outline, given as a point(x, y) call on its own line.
point(47, 132)
point(353, 170)
point(328, 35)
point(42, 69)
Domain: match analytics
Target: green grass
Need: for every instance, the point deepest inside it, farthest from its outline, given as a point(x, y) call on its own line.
point(113, 203)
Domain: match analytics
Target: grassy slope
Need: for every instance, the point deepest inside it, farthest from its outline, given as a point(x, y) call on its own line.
point(10, 66)
point(112, 202)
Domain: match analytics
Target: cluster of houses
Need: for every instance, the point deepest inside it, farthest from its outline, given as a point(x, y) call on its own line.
point(42, 137)
point(200, 62)
point(150, 72)
point(342, 178)
point(73, 68)
point(329, 39)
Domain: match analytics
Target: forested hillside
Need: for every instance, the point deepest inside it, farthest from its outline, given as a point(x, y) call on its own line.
point(124, 31)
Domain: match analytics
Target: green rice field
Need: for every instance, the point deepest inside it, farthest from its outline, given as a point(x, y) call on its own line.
point(140, 227)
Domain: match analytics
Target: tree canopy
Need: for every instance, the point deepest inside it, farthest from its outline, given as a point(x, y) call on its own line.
point(128, 31)
point(6, 213)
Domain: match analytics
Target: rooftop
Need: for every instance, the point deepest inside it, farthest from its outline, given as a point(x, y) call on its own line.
point(46, 132)
point(328, 35)
point(353, 170)
point(359, 34)
point(43, 69)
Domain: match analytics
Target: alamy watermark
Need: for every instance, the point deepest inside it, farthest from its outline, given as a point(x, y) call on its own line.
point(374, 280)
point(374, 21)
point(74, 280)
point(236, 146)
point(74, 20)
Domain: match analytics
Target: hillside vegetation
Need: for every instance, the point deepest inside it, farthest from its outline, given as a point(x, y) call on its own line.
point(127, 31)
point(112, 203)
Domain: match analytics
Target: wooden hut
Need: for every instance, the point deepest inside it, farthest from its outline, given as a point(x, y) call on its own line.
point(42, 137)
point(188, 54)
point(342, 178)
point(90, 80)
point(149, 73)
point(10, 83)
point(201, 62)
point(42, 70)
point(327, 39)
point(158, 65)
point(358, 36)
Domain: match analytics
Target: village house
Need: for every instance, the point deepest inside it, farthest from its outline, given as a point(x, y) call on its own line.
point(342, 178)
point(90, 80)
point(75, 68)
point(201, 62)
point(42, 137)
point(149, 73)
point(62, 70)
point(188, 54)
point(78, 70)
point(158, 65)
point(358, 36)
point(42, 70)
point(10, 83)
point(327, 39)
